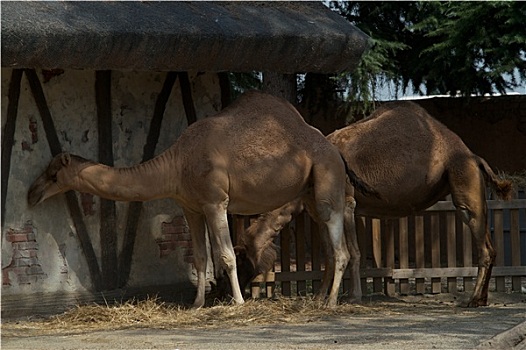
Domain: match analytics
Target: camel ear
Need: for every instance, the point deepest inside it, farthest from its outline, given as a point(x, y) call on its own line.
point(65, 159)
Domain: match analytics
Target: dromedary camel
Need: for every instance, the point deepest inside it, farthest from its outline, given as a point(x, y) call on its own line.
point(412, 161)
point(254, 156)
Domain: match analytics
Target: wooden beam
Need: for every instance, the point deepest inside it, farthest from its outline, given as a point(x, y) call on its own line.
point(8, 134)
point(188, 102)
point(492, 204)
point(108, 215)
point(71, 198)
point(135, 208)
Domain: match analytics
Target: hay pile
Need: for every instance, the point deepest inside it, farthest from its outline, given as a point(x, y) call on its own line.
point(153, 313)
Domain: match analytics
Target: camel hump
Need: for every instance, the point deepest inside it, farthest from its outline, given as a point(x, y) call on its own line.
point(503, 188)
point(409, 106)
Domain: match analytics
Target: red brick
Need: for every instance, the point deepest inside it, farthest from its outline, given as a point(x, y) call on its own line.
point(178, 221)
point(35, 270)
point(5, 277)
point(25, 245)
point(23, 254)
point(164, 253)
point(163, 246)
point(16, 237)
point(25, 262)
point(169, 237)
point(185, 244)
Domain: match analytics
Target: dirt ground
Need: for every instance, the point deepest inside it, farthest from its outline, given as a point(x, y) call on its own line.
point(411, 322)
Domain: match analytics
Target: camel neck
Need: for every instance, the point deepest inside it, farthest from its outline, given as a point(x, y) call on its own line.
point(142, 182)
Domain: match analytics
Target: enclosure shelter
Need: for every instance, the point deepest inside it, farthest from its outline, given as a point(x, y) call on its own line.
point(118, 82)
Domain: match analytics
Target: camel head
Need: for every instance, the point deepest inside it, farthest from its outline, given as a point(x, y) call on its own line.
point(246, 272)
point(59, 177)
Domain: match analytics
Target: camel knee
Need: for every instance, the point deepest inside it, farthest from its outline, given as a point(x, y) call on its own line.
point(487, 258)
point(350, 203)
point(355, 258)
point(465, 215)
point(228, 261)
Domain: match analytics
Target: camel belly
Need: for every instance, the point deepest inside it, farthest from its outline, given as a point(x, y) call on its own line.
point(261, 201)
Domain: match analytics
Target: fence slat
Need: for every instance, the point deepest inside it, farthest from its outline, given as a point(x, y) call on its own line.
point(362, 244)
point(498, 217)
point(419, 251)
point(377, 252)
point(451, 243)
point(285, 258)
point(300, 253)
point(515, 247)
point(436, 285)
point(315, 253)
point(403, 252)
point(389, 255)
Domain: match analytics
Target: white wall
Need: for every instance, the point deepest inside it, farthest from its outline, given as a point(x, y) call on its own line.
point(71, 99)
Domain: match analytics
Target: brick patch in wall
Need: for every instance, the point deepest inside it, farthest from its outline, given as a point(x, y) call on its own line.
point(176, 234)
point(24, 263)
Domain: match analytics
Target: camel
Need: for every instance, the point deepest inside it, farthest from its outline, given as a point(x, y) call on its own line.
point(252, 157)
point(412, 161)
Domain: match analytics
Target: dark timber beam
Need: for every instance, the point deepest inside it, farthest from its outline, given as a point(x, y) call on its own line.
point(8, 135)
point(108, 221)
point(135, 208)
point(71, 198)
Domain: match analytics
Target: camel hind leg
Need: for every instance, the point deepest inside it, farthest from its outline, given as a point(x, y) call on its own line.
point(355, 293)
point(329, 198)
point(468, 193)
point(217, 221)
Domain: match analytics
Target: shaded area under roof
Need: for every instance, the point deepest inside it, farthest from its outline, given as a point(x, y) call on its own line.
point(285, 37)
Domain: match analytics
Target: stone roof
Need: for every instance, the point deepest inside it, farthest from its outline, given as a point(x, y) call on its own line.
point(284, 37)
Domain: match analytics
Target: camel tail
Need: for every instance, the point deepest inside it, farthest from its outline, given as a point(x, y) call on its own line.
point(359, 184)
point(503, 188)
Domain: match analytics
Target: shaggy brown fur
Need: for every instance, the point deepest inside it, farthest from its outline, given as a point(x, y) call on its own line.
point(256, 155)
point(413, 161)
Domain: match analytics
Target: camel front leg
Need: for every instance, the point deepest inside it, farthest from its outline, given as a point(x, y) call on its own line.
point(216, 218)
point(196, 224)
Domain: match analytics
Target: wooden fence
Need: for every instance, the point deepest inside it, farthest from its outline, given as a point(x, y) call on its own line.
point(432, 252)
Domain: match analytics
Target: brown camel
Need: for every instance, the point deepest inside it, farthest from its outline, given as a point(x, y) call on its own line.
point(254, 156)
point(412, 161)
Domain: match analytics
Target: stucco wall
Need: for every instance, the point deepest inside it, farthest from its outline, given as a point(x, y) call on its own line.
point(41, 242)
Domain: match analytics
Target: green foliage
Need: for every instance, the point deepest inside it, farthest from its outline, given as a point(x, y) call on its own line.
point(447, 47)
point(241, 82)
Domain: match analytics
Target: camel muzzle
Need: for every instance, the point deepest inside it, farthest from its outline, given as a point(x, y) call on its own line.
point(34, 197)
